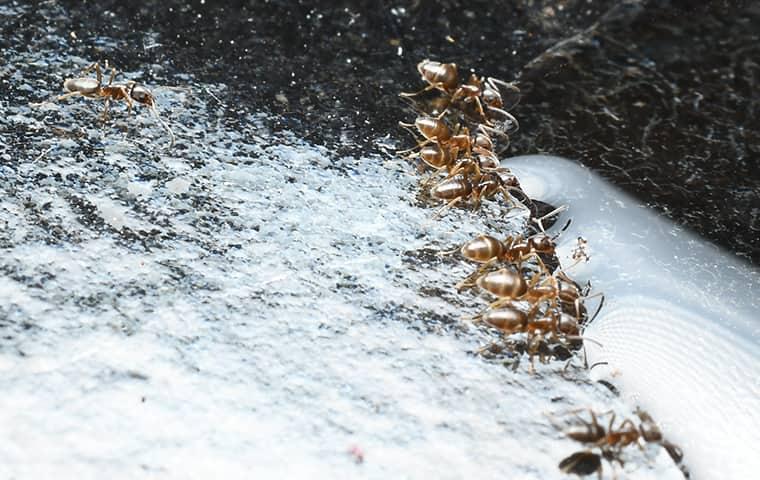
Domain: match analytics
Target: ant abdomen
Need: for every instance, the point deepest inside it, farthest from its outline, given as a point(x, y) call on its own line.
point(504, 283)
point(443, 74)
point(455, 187)
point(508, 320)
point(435, 156)
point(483, 249)
point(85, 86)
point(433, 129)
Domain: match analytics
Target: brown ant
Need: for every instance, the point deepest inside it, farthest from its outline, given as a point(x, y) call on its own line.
point(592, 433)
point(613, 439)
point(454, 189)
point(129, 93)
point(543, 332)
point(439, 76)
point(510, 286)
point(487, 249)
point(445, 154)
point(435, 130)
point(475, 186)
point(511, 320)
point(431, 128)
point(477, 91)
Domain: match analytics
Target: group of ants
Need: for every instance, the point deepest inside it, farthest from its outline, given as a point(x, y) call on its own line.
point(538, 310)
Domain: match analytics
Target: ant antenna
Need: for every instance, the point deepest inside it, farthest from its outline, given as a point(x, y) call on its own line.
point(598, 364)
point(540, 221)
point(165, 126)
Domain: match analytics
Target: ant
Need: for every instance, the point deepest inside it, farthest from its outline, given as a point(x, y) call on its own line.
point(511, 320)
point(445, 148)
point(613, 439)
point(447, 144)
point(486, 249)
point(477, 91)
point(510, 286)
point(572, 297)
point(461, 186)
point(439, 76)
point(432, 129)
point(551, 329)
point(129, 93)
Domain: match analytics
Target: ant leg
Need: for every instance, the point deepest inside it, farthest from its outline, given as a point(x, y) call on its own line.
point(443, 112)
point(107, 103)
point(90, 68)
point(488, 347)
point(470, 280)
point(511, 201)
point(612, 421)
point(540, 262)
point(476, 196)
point(419, 145)
point(556, 211)
point(172, 138)
point(446, 207)
point(479, 108)
point(126, 94)
point(584, 339)
point(495, 131)
point(67, 95)
point(493, 82)
point(426, 89)
point(500, 134)
point(598, 309)
point(498, 304)
point(99, 74)
point(532, 365)
point(565, 227)
point(113, 75)
point(410, 150)
point(430, 178)
point(521, 199)
point(475, 165)
point(534, 280)
point(496, 83)
point(567, 365)
point(508, 118)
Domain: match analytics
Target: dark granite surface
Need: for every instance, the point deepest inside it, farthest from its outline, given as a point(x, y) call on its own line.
point(660, 97)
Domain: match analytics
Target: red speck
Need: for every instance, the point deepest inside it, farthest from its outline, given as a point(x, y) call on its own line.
point(357, 453)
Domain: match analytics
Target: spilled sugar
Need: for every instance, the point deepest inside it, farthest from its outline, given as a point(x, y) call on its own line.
point(244, 303)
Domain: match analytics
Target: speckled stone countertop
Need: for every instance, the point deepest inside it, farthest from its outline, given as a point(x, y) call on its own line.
point(266, 295)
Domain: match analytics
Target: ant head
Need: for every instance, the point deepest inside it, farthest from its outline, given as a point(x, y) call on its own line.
point(141, 94)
